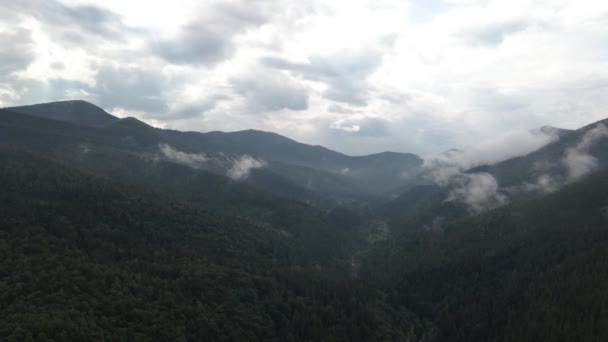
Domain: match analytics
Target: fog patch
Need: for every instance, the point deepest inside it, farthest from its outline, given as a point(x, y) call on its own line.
point(544, 184)
point(504, 147)
point(479, 191)
point(193, 160)
point(242, 167)
point(578, 159)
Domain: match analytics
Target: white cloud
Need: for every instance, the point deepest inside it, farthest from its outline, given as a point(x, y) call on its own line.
point(242, 167)
point(193, 160)
point(578, 159)
point(480, 191)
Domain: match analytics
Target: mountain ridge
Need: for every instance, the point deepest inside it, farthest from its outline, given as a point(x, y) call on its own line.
point(381, 172)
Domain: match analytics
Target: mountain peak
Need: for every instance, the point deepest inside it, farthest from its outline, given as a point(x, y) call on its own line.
point(78, 112)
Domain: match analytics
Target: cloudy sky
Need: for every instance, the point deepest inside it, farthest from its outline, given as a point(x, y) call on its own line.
point(358, 76)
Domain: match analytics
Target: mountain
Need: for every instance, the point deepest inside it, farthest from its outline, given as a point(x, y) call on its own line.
point(552, 131)
point(574, 154)
point(378, 174)
point(532, 270)
point(77, 112)
point(316, 172)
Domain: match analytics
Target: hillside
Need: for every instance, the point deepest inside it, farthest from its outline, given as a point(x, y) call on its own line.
point(315, 171)
point(77, 112)
point(89, 257)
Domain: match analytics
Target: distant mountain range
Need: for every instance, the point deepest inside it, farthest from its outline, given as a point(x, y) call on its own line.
point(314, 169)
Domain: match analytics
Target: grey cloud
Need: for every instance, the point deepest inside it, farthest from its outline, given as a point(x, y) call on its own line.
point(17, 52)
point(58, 65)
point(494, 35)
point(344, 73)
point(334, 108)
point(71, 24)
point(92, 19)
point(195, 45)
point(271, 92)
point(32, 91)
point(127, 88)
point(209, 39)
point(351, 93)
point(373, 127)
point(496, 100)
point(131, 89)
point(195, 109)
point(367, 127)
point(396, 98)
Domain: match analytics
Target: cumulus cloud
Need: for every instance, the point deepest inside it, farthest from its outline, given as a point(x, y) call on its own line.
point(209, 38)
point(131, 89)
point(242, 167)
point(345, 73)
point(194, 109)
point(193, 160)
point(17, 50)
point(76, 25)
point(578, 159)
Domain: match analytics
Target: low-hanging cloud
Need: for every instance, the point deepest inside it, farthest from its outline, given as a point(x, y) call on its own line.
point(479, 191)
point(242, 167)
point(503, 147)
point(576, 162)
point(193, 160)
point(578, 159)
point(17, 52)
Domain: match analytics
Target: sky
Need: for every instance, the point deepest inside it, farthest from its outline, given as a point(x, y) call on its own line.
point(357, 76)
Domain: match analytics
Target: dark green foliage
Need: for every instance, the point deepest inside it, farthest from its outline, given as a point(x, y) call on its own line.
point(87, 259)
point(535, 270)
